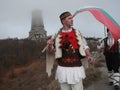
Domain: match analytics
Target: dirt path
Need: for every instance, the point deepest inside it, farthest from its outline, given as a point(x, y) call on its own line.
point(101, 84)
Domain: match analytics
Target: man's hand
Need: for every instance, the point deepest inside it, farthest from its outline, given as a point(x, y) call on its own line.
point(88, 55)
point(91, 60)
point(50, 43)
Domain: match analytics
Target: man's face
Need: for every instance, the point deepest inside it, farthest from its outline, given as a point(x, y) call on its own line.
point(68, 21)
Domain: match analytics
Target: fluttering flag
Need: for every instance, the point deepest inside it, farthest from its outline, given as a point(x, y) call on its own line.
point(103, 17)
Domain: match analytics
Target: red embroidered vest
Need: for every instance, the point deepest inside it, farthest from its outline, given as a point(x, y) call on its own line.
point(70, 50)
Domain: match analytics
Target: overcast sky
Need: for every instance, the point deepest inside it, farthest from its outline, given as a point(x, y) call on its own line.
point(15, 16)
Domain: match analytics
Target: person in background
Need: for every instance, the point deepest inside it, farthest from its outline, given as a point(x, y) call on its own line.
point(70, 48)
point(111, 53)
point(119, 47)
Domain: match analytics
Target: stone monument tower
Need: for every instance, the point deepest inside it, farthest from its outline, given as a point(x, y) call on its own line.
point(37, 27)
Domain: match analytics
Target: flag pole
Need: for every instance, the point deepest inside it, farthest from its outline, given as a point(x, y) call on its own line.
point(104, 31)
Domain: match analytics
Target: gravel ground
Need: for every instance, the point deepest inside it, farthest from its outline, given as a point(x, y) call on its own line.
point(102, 84)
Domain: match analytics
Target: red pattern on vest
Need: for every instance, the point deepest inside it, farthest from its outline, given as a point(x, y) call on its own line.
point(70, 50)
point(70, 37)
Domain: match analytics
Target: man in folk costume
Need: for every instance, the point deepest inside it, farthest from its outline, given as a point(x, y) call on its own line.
point(111, 53)
point(70, 48)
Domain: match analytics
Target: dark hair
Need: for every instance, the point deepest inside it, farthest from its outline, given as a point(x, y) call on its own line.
point(107, 30)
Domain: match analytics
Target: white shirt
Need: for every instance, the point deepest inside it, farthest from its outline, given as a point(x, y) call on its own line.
point(110, 40)
point(119, 45)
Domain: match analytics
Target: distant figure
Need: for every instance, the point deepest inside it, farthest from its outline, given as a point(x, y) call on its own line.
point(111, 53)
point(70, 48)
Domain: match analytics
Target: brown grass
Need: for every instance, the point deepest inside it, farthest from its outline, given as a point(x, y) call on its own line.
point(92, 74)
point(25, 70)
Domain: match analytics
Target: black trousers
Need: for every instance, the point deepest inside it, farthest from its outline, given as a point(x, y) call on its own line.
point(112, 62)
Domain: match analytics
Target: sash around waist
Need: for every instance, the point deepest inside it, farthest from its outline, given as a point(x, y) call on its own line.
point(69, 62)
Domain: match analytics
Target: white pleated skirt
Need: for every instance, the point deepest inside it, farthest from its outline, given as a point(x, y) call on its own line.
point(70, 75)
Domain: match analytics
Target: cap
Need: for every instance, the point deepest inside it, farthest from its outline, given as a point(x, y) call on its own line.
point(64, 15)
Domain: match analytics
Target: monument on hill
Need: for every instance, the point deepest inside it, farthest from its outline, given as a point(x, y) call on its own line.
point(37, 31)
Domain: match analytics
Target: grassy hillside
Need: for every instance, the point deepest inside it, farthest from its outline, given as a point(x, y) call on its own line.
point(23, 66)
point(15, 53)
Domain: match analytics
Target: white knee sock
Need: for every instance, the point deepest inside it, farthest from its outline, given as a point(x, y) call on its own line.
point(110, 76)
point(116, 80)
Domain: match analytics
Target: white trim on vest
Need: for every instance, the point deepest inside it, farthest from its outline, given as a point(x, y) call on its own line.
point(58, 52)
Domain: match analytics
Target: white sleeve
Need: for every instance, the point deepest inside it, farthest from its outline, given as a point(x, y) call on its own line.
point(119, 45)
point(110, 40)
point(85, 45)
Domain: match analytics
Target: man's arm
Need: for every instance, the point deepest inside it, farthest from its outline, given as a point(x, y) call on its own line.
point(87, 51)
point(89, 56)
